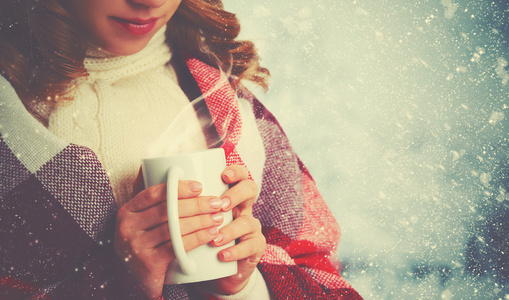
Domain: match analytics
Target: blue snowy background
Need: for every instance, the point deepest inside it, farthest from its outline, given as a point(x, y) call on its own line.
point(400, 111)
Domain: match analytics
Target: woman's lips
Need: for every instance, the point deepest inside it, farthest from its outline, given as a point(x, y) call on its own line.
point(136, 26)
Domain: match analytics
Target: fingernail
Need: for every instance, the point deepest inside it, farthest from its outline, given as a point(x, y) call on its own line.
point(217, 217)
point(195, 186)
point(219, 238)
point(226, 254)
point(226, 203)
point(215, 203)
point(213, 231)
point(229, 173)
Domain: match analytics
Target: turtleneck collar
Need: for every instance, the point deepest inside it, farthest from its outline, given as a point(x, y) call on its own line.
point(102, 65)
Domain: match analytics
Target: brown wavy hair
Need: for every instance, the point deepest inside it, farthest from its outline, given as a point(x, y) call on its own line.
point(42, 51)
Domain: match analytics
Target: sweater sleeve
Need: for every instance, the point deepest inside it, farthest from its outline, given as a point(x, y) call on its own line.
point(301, 232)
point(256, 289)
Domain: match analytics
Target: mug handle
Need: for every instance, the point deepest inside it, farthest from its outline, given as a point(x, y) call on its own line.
point(187, 265)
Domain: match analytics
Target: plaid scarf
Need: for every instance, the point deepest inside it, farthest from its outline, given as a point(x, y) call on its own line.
point(58, 210)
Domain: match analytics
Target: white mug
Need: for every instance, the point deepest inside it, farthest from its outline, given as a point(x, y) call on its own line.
point(206, 167)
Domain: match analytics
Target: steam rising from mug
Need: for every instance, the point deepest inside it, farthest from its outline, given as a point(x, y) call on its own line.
point(193, 128)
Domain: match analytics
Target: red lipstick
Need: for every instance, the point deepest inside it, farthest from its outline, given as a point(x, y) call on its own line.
point(136, 26)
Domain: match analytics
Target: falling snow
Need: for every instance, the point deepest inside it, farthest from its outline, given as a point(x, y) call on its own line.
point(399, 109)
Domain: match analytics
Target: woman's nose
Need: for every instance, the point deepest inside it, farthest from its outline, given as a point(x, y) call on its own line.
point(149, 3)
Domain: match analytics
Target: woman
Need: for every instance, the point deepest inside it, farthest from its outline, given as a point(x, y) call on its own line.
point(87, 85)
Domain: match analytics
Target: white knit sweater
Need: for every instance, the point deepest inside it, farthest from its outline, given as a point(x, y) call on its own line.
point(126, 102)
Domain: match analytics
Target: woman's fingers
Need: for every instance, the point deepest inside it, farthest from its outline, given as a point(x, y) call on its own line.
point(242, 195)
point(251, 249)
point(157, 242)
point(158, 239)
point(247, 253)
point(197, 223)
point(242, 192)
point(157, 193)
point(198, 238)
point(159, 234)
point(157, 258)
point(192, 241)
point(146, 198)
point(150, 217)
point(200, 205)
point(206, 207)
point(240, 228)
point(235, 173)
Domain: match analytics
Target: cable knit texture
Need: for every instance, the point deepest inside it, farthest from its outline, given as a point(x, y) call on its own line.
point(125, 103)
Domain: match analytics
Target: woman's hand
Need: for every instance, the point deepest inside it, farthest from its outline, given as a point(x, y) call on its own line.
point(142, 237)
point(244, 228)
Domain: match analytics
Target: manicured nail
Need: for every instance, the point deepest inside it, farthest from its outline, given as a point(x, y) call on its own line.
point(217, 217)
point(229, 173)
point(195, 186)
point(215, 203)
point(219, 238)
point(213, 231)
point(226, 203)
point(226, 254)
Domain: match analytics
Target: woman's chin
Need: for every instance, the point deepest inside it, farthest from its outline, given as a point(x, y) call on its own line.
point(124, 49)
